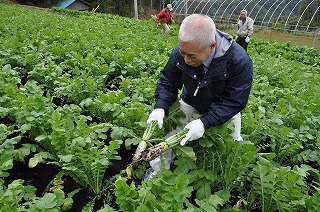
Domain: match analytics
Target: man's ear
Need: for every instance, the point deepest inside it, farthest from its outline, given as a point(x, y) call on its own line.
point(213, 44)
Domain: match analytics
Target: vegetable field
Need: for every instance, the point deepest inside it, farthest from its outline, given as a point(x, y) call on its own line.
point(76, 91)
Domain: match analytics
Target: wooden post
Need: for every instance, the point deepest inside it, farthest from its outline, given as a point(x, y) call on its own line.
point(135, 9)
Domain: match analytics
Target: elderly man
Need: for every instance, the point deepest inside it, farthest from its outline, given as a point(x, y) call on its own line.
point(245, 29)
point(216, 76)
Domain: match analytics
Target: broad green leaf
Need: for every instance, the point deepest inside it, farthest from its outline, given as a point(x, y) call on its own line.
point(205, 142)
point(25, 128)
point(48, 201)
point(185, 152)
point(39, 158)
point(66, 158)
point(203, 191)
point(40, 137)
point(181, 181)
point(33, 162)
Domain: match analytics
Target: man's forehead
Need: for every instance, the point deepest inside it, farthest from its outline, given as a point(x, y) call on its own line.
point(187, 52)
point(189, 47)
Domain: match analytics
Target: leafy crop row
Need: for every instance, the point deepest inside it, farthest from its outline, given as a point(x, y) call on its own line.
point(76, 89)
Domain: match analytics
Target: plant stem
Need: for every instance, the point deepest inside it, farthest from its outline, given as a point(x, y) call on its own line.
point(176, 138)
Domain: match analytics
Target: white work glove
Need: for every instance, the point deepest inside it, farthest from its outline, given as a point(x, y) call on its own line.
point(196, 131)
point(236, 121)
point(156, 115)
point(247, 39)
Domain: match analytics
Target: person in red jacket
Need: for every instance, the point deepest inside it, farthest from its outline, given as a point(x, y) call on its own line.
point(165, 17)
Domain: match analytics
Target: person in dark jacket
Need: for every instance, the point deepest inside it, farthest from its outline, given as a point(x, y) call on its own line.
point(165, 16)
point(219, 94)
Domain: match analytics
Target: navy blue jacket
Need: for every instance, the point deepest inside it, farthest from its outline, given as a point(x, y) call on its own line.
point(223, 91)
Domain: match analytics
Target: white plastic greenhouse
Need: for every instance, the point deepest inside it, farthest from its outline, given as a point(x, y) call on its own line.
point(296, 21)
point(291, 15)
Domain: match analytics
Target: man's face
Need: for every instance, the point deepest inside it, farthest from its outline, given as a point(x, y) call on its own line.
point(192, 54)
point(243, 16)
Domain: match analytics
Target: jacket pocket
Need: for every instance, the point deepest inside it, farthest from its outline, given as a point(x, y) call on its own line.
point(217, 84)
point(220, 77)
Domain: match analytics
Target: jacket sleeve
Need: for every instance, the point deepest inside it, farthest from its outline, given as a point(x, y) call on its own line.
point(159, 16)
point(238, 28)
point(236, 92)
point(169, 84)
point(250, 27)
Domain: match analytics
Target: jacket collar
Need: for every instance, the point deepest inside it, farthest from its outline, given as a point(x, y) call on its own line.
point(223, 41)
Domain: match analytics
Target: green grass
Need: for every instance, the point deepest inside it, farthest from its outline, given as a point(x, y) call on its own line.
point(299, 39)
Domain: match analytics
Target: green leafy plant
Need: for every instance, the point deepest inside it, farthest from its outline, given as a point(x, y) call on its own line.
point(154, 195)
point(20, 197)
point(72, 92)
point(280, 188)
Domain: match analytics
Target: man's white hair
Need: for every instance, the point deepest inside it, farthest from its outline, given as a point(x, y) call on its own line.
point(244, 11)
point(197, 28)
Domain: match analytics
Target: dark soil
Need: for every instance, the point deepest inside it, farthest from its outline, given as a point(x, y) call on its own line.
point(42, 175)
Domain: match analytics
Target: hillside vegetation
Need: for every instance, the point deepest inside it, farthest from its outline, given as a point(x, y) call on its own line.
point(76, 90)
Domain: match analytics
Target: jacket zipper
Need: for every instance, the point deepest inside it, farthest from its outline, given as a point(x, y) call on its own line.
point(197, 89)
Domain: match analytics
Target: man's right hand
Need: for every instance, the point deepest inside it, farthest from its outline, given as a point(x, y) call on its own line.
point(196, 131)
point(156, 115)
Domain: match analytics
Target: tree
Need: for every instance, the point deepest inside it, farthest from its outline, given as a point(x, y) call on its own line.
point(39, 3)
point(306, 11)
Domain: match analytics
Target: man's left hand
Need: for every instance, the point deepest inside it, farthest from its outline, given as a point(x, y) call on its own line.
point(247, 39)
point(196, 131)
